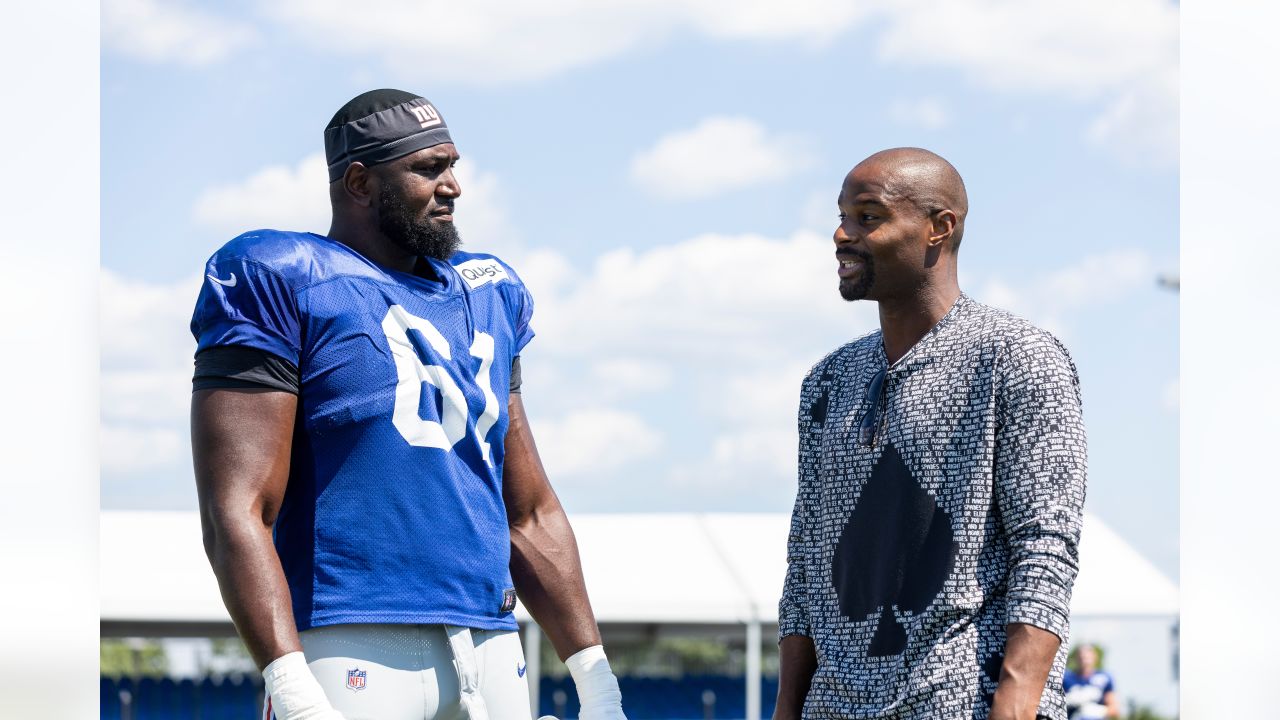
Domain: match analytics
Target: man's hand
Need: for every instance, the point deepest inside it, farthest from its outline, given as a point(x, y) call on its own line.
point(295, 694)
point(598, 692)
point(1028, 657)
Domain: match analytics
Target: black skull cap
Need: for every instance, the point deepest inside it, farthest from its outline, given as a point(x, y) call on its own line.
point(381, 125)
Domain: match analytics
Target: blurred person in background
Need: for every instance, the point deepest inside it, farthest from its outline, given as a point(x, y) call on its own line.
point(933, 545)
point(371, 496)
point(1091, 691)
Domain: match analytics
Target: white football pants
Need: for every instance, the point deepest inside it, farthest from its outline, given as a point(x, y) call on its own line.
point(418, 672)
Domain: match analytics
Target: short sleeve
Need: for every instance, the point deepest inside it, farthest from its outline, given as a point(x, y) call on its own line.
point(524, 315)
point(246, 303)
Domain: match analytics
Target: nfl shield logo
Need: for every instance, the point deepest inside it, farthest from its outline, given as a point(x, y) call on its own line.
point(355, 679)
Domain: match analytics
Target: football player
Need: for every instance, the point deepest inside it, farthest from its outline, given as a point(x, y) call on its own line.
point(371, 497)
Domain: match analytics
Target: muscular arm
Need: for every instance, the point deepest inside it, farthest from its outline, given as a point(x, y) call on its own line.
point(797, 661)
point(544, 554)
point(240, 441)
point(1028, 657)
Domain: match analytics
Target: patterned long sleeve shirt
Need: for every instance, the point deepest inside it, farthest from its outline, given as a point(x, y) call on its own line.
point(913, 546)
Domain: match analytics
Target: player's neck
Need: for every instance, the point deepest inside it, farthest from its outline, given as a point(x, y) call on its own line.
point(903, 321)
point(373, 246)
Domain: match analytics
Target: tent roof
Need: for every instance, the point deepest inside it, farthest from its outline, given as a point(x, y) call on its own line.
point(701, 568)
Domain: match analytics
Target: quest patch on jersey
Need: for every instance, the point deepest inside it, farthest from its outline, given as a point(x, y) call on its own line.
point(482, 270)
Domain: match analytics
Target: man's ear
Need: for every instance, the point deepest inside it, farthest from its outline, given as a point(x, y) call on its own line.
point(944, 226)
point(360, 184)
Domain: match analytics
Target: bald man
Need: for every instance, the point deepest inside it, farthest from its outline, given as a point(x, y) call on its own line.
point(941, 482)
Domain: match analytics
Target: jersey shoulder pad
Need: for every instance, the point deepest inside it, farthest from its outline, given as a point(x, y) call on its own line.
point(300, 259)
point(249, 297)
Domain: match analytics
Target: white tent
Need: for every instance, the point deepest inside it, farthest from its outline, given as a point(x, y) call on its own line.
point(684, 568)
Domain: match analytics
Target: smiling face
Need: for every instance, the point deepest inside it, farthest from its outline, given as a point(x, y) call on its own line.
point(901, 219)
point(415, 201)
point(882, 238)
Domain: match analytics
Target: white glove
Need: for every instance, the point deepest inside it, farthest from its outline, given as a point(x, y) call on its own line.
point(598, 691)
point(295, 693)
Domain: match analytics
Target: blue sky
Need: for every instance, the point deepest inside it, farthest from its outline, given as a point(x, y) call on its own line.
point(664, 177)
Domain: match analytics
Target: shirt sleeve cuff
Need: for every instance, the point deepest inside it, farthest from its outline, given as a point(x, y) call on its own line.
point(792, 621)
point(1038, 614)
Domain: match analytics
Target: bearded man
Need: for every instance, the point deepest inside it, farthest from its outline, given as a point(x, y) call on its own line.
point(371, 497)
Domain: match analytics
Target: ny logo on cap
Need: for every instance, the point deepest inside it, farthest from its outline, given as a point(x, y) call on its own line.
point(427, 115)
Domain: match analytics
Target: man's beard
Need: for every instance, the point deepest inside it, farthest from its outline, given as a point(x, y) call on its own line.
point(858, 288)
point(420, 237)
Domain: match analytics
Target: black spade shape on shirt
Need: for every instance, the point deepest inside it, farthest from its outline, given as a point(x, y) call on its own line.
point(897, 550)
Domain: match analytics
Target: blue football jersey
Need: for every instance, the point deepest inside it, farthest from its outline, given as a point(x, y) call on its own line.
point(393, 512)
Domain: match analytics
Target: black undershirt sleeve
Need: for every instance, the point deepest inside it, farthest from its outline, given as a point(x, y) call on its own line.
point(515, 374)
point(236, 366)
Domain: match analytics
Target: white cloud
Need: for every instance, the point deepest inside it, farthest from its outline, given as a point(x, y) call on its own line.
point(168, 31)
point(1049, 299)
point(1098, 278)
point(1122, 53)
point(146, 361)
point(1081, 46)
point(717, 155)
point(741, 461)
point(1122, 56)
point(587, 442)
point(814, 21)
point(710, 336)
point(736, 321)
point(144, 325)
point(482, 217)
point(278, 196)
point(501, 41)
point(297, 198)
point(925, 112)
point(708, 298)
point(754, 406)
point(145, 382)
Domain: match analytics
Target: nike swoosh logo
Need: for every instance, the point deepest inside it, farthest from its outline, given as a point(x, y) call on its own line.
point(520, 670)
point(227, 283)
